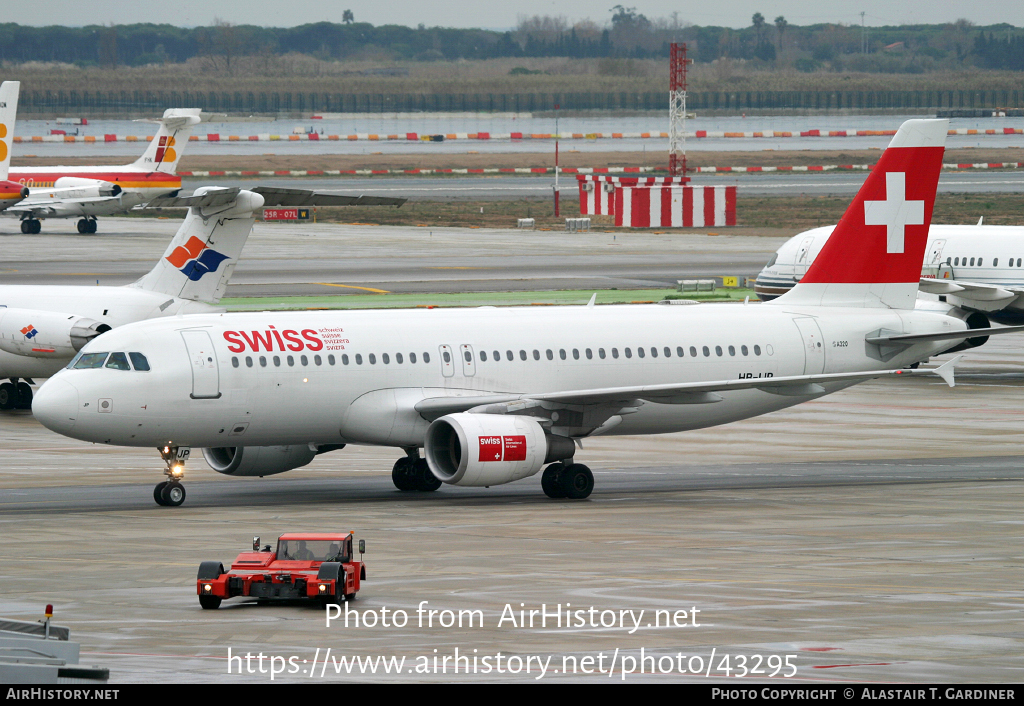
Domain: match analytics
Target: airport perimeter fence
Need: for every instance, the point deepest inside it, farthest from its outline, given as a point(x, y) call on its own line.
point(121, 102)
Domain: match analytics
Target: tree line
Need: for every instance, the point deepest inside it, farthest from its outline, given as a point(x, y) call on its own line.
point(626, 34)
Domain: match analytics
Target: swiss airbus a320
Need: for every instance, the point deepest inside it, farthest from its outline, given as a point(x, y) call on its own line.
point(482, 397)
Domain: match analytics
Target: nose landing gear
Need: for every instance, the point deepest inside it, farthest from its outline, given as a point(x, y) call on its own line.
point(171, 493)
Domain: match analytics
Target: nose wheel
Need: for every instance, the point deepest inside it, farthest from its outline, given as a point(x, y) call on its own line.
point(171, 493)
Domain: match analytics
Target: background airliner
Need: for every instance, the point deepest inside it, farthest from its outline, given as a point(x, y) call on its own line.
point(10, 192)
point(42, 327)
point(87, 192)
point(977, 270)
point(493, 394)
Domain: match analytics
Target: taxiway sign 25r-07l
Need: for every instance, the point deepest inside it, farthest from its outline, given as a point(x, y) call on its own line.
point(493, 394)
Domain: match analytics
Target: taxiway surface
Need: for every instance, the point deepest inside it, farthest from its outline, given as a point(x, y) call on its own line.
point(874, 535)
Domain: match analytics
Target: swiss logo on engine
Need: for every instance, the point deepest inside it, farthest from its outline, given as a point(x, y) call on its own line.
point(502, 448)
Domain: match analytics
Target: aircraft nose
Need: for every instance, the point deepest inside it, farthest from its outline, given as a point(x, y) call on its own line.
point(55, 405)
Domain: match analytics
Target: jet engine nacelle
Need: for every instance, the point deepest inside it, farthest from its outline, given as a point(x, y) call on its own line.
point(258, 460)
point(13, 187)
point(490, 449)
point(46, 334)
point(80, 187)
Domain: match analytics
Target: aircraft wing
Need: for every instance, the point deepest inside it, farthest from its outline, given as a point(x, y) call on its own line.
point(52, 207)
point(614, 398)
point(975, 295)
point(274, 196)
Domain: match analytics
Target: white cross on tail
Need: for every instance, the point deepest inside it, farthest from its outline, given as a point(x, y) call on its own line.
point(895, 213)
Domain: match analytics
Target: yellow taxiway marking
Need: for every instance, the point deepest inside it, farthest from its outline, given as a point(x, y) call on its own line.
point(350, 286)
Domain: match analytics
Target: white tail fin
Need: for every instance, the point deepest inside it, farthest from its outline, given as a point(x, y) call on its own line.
point(166, 148)
point(202, 256)
point(8, 113)
point(875, 254)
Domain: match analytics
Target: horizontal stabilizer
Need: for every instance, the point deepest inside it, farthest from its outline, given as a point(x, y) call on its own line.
point(272, 198)
point(912, 338)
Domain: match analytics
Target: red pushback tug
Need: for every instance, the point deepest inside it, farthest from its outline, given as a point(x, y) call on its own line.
point(316, 565)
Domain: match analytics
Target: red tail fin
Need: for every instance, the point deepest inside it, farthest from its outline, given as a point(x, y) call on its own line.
point(875, 253)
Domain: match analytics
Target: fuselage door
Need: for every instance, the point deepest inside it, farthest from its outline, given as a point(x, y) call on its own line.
point(814, 346)
point(203, 361)
point(935, 253)
point(468, 364)
point(803, 255)
point(447, 360)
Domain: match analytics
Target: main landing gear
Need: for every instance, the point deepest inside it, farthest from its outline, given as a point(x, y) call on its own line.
point(412, 473)
point(171, 493)
point(15, 395)
point(86, 225)
point(31, 226)
point(567, 480)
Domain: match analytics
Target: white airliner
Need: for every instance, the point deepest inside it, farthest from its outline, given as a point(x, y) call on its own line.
point(85, 192)
point(42, 326)
point(493, 394)
point(977, 269)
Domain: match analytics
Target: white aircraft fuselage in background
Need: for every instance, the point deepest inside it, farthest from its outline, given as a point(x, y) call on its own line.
point(970, 254)
point(493, 394)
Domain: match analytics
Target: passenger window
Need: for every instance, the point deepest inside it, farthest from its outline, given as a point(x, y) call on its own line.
point(972, 262)
point(387, 359)
point(304, 360)
point(330, 359)
point(995, 262)
point(91, 360)
point(483, 356)
point(426, 357)
point(654, 352)
point(949, 261)
point(575, 353)
point(465, 354)
point(536, 354)
point(412, 358)
point(398, 358)
point(639, 351)
point(497, 356)
point(615, 352)
point(318, 360)
point(359, 358)
point(590, 354)
point(447, 357)
point(234, 361)
point(248, 361)
point(706, 351)
point(263, 361)
point(743, 350)
point(139, 361)
point(679, 351)
point(550, 354)
point(509, 356)
point(693, 351)
point(291, 361)
point(600, 353)
point(277, 361)
point(718, 350)
point(667, 352)
point(344, 359)
point(522, 354)
point(732, 350)
point(561, 353)
point(757, 350)
point(373, 358)
point(1018, 262)
point(118, 361)
point(629, 353)
point(981, 261)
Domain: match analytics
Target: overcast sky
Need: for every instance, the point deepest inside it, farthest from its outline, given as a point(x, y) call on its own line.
point(475, 13)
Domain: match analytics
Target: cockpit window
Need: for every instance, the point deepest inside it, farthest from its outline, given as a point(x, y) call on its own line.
point(772, 261)
point(90, 360)
point(118, 361)
point(139, 361)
